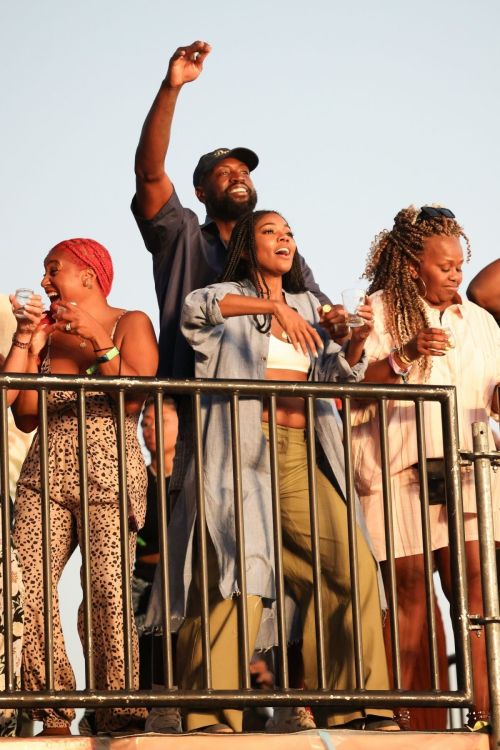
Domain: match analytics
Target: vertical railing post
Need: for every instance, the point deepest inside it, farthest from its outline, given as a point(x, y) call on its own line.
point(278, 543)
point(427, 546)
point(6, 545)
point(46, 539)
point(85, 542)
point(161, 499)
point(352, 531)
point(389, 543)
point(202, 542)
point(491, 608)
point(458, 570)
point(124, 542)
point(243, 650)
point(315, 543)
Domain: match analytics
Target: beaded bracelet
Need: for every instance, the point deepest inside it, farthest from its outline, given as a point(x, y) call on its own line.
point(110, 354)
point(20, 344)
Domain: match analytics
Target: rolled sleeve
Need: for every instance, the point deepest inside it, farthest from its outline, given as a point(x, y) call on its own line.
point(202, 322)
point(333, 367)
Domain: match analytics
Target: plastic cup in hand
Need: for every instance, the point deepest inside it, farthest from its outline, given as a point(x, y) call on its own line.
point(22, 297)
point(352, 299)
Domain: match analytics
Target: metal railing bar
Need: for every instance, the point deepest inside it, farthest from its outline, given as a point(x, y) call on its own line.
point(244, 655)
point(202, 542)
point(161, 499)
point(277, 540)
point(489, 580)
point(46, 539)
point(234, 698)
point(88, 649)
point(124, 540)
point(427, 546)
point(449, 420)
point(244, 387)
point(207, 697)
point(352, 529)
point(6, 546)
point(315, 542)
point(389, 543)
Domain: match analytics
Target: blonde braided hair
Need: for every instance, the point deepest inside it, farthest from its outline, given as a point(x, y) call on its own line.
point(391, 255)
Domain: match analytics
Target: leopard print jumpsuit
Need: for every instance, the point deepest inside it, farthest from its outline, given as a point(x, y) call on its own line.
point(65, 526)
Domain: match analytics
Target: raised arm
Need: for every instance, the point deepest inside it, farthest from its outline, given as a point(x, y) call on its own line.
point(484, 289)
point(153, 185)
point(28, 340)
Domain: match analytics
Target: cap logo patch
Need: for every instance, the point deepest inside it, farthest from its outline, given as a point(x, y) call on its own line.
point(221, 152)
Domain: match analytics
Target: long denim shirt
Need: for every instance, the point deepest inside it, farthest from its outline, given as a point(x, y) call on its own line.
point(235, 348)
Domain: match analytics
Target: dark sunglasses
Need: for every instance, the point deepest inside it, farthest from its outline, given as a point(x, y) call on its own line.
point(433, 212)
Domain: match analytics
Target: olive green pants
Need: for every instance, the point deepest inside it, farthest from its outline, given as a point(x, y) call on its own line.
point(297, 562)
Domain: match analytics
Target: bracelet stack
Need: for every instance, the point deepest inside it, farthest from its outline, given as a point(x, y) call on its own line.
point(405, 361)
point(401, 367)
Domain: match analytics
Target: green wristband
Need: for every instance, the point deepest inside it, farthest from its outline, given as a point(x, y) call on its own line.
point(111, 354)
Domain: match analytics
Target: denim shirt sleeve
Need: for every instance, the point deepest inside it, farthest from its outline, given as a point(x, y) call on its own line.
point(202, 322)
point(332, 366)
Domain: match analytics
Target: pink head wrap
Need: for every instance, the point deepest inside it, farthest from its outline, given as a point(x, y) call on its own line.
point(90, 254)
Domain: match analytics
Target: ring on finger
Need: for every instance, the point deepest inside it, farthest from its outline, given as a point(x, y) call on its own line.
point(67, 327)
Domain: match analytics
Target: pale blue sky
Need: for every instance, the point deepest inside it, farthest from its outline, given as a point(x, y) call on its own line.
point(355, 109)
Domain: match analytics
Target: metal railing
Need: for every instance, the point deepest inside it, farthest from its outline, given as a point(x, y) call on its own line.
point(245, 696)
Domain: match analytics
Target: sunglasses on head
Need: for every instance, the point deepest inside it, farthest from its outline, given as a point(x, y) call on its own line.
point(432, 212)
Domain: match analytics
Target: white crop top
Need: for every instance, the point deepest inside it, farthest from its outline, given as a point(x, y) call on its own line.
point(284, 356)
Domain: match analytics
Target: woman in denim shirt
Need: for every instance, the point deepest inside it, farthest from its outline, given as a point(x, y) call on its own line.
point(258, 324)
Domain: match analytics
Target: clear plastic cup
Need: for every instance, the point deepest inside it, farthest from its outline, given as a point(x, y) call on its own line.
point(22, 297)
point(352, 299)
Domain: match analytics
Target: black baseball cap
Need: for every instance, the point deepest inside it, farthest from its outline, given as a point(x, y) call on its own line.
point(208, 161)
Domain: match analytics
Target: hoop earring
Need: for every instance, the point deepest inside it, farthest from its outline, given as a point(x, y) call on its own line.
point(424, 293)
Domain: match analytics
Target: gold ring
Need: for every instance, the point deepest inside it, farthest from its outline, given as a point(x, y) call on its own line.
point(67, 327)
point(326, 309)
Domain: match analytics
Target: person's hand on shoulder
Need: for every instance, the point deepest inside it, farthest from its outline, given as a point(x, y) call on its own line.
point(186, 64)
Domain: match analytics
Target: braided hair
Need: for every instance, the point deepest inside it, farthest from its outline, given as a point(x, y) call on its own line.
point(242, 263)
point(391, 255)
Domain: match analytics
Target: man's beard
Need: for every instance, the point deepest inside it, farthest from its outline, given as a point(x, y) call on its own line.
point(225, 208)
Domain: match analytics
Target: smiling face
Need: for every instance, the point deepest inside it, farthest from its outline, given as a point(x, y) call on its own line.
point(274, 245)
point(63, 279)
point(227, 190)
point(441, 269)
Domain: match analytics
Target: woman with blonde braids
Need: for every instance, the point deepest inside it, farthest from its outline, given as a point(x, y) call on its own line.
point(425, 333)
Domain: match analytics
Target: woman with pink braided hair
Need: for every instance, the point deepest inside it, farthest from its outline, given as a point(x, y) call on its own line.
point(85, 335)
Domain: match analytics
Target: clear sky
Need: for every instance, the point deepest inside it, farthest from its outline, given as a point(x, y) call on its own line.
point(355, 108)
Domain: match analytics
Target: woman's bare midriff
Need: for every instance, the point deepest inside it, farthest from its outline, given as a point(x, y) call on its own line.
point(290, 410)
